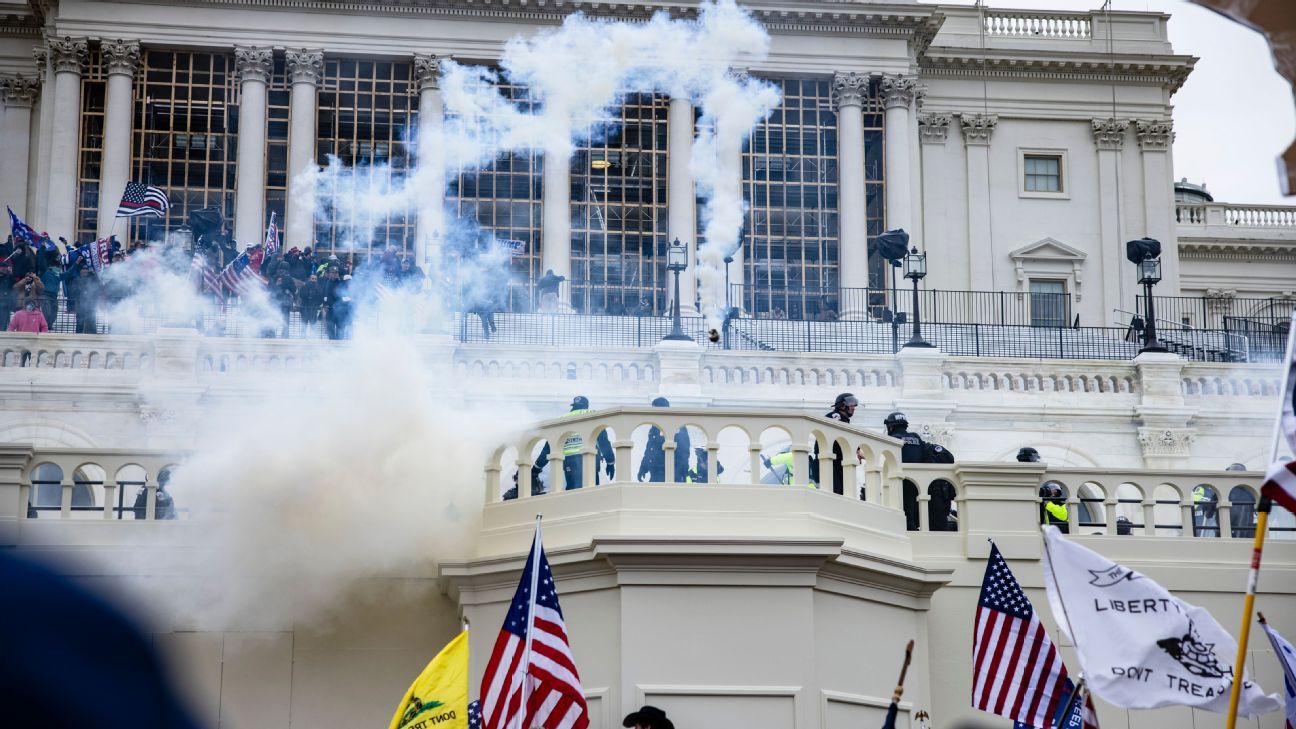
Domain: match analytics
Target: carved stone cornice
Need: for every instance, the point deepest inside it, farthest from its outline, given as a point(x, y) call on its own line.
point(978, 128)
point(427, 70)
point(1154, 135)
point(1168, 71)
point(899, 92)
point(253, 64)
point(934, 128)
point(740, 75)
point(68, 54)
point(1109, 133)
point(305, 65)
point(120, 56)
point(1166, 441)
point(849, 89)
point(1243, 252)
point(19, 90)
point(41, 54)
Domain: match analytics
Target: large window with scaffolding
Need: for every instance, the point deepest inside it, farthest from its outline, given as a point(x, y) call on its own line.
point(90, 153)
point(366, 109)
point(500, 204)
point(618, 204)
point(790, 176)
point(185, 132)
point(278, 101)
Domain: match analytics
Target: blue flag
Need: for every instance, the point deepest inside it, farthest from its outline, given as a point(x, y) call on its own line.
point(1074, 721)
point(22, 231)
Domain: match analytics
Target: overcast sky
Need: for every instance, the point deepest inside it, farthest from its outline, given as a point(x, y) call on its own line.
point(1233, 117)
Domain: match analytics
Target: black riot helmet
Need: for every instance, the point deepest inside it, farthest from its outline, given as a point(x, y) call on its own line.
point(660, 402)
point(580, 402)
point(844, 400)
point(1028, 455)
point(896, 421)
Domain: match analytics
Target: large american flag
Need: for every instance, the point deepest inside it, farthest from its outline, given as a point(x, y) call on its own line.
point(1016, 671)
point(240, 276)
point(200, 268)
point(141, 199)
point(531, 679)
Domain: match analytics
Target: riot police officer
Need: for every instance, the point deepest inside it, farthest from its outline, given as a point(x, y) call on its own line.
point(1027, 454)
point(843, 409)
point(897, 426)
point(653, 465)
point(572, 459)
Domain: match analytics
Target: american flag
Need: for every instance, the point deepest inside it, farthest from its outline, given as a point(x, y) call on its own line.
point(474, 714)
point(1082, 715)
point(1280, 484)
point(141, 199)
point(1017, 673)
point(272, 236)
point(531, 679)
point(240, 276)
point(200, 268)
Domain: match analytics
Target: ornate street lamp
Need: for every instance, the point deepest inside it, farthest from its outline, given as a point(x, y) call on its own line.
point(915, 269)
point(1149, 274)
point(677, 263)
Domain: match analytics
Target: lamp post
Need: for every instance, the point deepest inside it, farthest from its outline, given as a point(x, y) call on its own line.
point(915, 269)
point(728, 304)
point(1149, 273)
point(676, 263)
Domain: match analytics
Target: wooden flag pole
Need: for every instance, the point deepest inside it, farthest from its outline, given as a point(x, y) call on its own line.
point(1257, 548)
point(903, 670)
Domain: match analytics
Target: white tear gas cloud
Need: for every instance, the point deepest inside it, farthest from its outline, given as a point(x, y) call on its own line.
point(575, 76)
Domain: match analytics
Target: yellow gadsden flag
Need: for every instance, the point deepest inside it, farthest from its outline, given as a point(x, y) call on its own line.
point(439, 696)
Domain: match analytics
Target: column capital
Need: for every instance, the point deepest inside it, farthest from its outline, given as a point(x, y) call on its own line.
point(427, 70)
point(934, 128)
point(120, 56)
point(68, 53)
point(849, 89)
point(739, 75)
point(899, 92)
point(305, 65)
point(41, 55)
point(253, 64)
point(19, 90)
point(1109, 133)
point(1154, 135)
point(977, 128)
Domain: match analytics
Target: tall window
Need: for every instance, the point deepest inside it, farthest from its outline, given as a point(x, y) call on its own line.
point(1048, 303)
point(278, 96)
point(185, 135)
point(504, 200)
point(93, 91)
point(366, 109)
point(618, 203)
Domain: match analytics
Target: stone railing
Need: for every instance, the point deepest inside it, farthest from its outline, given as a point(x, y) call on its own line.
point(745, 369)
point(75, 483)
point(72, 351)
point(1241, 216)
point(1217, 380)
point(1039, 25)
point(1010, 375)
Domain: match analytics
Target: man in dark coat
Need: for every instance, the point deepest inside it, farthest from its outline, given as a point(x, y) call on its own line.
point(310, 297)
point(653, 464)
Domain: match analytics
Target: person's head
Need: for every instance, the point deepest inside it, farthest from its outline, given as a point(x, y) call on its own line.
point(1028, 455)
point(660, 402)
point(647, 717)
point(896, 422)
point(846, 404)
point(406, 263)
point(30, 306)
point(312, 278)
point(1236, 467)
point(580, 402)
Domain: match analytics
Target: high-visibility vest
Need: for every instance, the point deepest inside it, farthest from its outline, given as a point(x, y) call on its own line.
point(786, 459)
point(1201, 494)
point(1057, 512)
point(572, 446)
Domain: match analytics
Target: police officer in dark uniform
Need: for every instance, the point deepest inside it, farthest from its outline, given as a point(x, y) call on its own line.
point(897, 426)
point(1027, 454)
point(916, 450)
point(843, 410)
point(653, 465)
point(571, 451)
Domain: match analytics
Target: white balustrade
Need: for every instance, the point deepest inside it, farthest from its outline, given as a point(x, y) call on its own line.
point(1066, 26)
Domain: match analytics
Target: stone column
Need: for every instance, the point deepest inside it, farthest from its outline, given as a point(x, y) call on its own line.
point(431, 159)
point(67, 56)
point(555, 219)
point(15, 129)
point(1109, 136)
point(121, 59)
point(933, 131)
point(977, 130)
point(852, 237)
point(1155, 139)
point(681, 200)
point(38, 165)
point(305, 68)
point(898, 94)
point(253, 66)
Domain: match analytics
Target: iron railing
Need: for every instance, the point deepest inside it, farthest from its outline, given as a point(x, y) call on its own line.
point(1017, 308)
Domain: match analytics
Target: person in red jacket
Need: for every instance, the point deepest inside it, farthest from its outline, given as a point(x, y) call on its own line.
point(29, 319)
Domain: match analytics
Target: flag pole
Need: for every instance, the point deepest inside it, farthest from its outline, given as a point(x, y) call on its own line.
point(1257, 547)
point(1071, 702)
point(536, 550)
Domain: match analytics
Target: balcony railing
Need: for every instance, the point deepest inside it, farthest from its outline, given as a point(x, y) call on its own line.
point(1039, 25)
point(1242, 216)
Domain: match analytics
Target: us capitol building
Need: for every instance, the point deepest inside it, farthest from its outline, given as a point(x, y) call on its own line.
point(1019, 148)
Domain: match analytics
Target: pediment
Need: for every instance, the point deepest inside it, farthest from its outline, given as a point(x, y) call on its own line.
point(1047, 249)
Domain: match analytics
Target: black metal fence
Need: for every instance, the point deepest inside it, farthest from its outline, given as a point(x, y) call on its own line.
point(1011, 308)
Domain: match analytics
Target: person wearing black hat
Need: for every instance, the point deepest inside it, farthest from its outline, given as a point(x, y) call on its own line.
point(843, 410)
point(653, 464)
point(1028, 455)
point(647, 717)
point(573, 467)
point(897, 426)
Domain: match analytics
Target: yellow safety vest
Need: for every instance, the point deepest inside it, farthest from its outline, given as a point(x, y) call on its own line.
point(572, 446)
point(1057, 512)
point(786, 459)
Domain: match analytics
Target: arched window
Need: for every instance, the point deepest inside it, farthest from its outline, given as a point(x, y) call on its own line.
point(1242, 515)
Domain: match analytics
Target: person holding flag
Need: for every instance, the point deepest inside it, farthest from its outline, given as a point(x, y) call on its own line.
point(439, 696)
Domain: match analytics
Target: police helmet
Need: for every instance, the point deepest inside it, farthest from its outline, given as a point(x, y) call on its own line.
point(896, 419)
point(580, 402)
point(1236, 467)
point(1028, 455)
point(660, 402)
point(844, 400)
